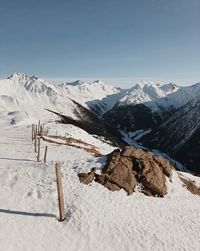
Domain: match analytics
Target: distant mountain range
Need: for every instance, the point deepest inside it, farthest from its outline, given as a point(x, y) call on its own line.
point(163, 117)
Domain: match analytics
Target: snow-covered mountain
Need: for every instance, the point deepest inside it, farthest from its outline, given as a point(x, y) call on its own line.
point(161, 117)
point(83, 92)
point(181, 97)
point(30, 96)
point(179, 135)
point(146, 92)
point(99, 96)
point(165, 117)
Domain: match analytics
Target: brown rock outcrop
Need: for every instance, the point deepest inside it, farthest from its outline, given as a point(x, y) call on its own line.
point(103, 180)
point(132, 166)
point(153, 179)
point(87, 178)
point(165, 165)
point(119, 171)
point(190, 185)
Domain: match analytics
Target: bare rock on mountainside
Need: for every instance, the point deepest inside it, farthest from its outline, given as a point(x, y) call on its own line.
point(165, 165)
point(152, 178)
point(131, 167)
point(190, 185)
point(87, 178)
point(103, 180)
point(119, 171)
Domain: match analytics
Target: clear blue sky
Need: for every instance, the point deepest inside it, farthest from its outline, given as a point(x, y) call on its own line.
point(106, 39)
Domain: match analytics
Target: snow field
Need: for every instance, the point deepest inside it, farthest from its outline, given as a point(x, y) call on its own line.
point(96, 218)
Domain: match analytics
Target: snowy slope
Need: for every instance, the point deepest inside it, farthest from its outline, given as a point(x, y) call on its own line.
point(182, 96)
point(95, 95)
point(31, 95)
point(83, 92)
point(96, 218)
point(79, 134)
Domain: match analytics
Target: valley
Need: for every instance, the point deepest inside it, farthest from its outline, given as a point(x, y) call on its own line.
point(167, 114)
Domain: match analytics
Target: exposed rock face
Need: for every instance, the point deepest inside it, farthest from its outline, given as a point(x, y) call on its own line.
point(120, 172)
point(104, 180)
point(87, 178)
point(132, 166)
point(150, 172)
point(190, 185)
point(152, 178)
point(165, 165)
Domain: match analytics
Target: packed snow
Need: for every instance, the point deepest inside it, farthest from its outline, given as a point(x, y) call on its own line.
point(96, 218)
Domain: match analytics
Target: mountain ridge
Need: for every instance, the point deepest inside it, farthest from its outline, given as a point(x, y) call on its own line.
point(165, 116)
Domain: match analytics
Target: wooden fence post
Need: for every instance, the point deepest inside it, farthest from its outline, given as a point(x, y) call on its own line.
point(33, 132)
point(39, 127)
point(60, 193)
point(38, 156)
point(35, 142)
point(45, 154)
point(41, 131)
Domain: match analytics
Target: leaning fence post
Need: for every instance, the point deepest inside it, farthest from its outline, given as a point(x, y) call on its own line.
point(60, 193)
point(45, 154)
point(38, 156)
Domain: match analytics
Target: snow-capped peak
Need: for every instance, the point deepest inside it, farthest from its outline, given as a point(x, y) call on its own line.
point(18, 76)
point(23, 90)
point(182, 96)
point(83, 92)
point(143, 92)
point(20, 90)
point(31, 84)
point(21, 77)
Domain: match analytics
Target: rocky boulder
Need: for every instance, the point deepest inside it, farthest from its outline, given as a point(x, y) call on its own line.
point(87, 178)
point(132, 167)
